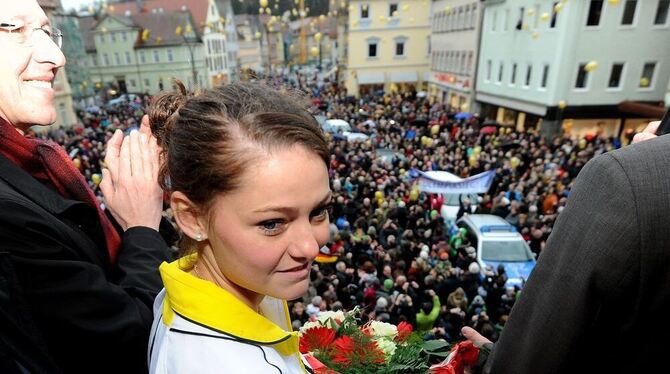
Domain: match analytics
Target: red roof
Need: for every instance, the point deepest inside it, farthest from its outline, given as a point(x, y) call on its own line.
point(49, 4)
point(198, 8)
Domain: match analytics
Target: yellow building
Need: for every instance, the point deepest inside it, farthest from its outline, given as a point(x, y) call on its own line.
point(388, 46)
point(63, 97)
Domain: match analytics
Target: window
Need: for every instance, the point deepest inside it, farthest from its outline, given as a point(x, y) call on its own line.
point(529, 71)
point(102, 38)
point(94, 60)
point(488, 70)
point(372, 49)
point(157, 57)
point(512, 78)
point(493, 21)
point(393, 8)
point(506, 20)
point(545, 76)
point(629, 9)
point(209, 47)
point(554, 15)
point(647, 77)
point(146, 84)
point(143, 58)
point(582, 77)
point(133, 83)
point(400, 48)
point(365, 11)
point(105, 58)
point(537, 16)
point(519, 23)
point(662, 12)
point(463, 63)
point(469, 63)
point(500, 72)
point(112, 36)
point(124, 37)
point(615, 75)
point(428, 50)
point(117, 58)
point(170, 57)
point(128, 60)
point(595, 11)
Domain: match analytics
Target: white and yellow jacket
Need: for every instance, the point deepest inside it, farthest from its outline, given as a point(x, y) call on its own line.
point(201, 328)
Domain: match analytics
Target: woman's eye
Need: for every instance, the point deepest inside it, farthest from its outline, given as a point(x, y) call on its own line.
point(322, 213)
point(271, 227)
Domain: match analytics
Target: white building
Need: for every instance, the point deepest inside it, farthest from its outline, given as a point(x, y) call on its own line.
point(454, 46)
point(590, 65)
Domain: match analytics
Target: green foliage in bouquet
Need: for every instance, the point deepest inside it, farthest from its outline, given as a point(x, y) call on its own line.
point(344, 347)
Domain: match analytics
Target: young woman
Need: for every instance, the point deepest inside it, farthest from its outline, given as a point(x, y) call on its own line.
point(246, 166)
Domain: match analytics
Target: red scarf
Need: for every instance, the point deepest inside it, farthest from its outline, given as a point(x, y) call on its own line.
point(47, 162)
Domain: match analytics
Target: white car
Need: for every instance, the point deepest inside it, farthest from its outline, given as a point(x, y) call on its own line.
point(337, 126)
point(498, 243)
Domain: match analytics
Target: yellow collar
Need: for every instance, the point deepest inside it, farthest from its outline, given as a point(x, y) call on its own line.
point(207, 304)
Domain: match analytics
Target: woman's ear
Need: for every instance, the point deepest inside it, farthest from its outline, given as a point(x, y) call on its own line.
point(188, 216)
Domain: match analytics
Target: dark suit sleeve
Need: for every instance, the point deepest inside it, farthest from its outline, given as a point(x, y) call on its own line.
point(87, 320)
point(589, 261)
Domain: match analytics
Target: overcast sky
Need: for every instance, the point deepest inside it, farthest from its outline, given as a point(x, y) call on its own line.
point(68, 4)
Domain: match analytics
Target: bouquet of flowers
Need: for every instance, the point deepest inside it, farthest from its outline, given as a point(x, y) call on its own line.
point(336, 344)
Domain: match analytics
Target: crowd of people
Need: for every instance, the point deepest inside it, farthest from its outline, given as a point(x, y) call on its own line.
point(397, 257)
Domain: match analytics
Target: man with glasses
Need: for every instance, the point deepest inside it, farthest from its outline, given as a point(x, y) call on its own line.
point(75, 293)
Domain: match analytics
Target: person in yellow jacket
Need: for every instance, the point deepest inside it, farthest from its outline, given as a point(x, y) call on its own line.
point(429, 312)
point(246, 168)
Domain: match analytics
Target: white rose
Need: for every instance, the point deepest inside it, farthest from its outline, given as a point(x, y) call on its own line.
point(323, 317)
point(388, 347)
point(308, 325)
point(383, 330)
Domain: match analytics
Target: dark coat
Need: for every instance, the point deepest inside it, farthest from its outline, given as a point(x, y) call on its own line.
point(78, 312)
point(600, 293)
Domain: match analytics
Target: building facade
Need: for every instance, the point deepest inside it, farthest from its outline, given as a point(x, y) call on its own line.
point(579, 66)
point(454, 51)
point(214, 23)
point(142, 53)
point(388, 46)
point(63, 92)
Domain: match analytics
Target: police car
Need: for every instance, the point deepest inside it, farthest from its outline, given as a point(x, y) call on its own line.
point(498, 243)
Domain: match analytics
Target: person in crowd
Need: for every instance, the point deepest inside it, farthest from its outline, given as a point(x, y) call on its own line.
point(248, 179)
point(603, 275)
point(75, 292)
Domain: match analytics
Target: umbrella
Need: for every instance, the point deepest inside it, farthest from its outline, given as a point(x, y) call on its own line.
point(487, 130)
point(463, 115)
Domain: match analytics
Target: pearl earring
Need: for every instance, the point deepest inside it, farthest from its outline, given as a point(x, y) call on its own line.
point(198, 237)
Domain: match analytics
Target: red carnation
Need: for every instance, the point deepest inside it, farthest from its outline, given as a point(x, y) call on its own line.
point(316, 338)
point(404, 331)
point(347, 351)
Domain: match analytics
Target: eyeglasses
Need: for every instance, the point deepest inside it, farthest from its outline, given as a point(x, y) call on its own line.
point(26, 36)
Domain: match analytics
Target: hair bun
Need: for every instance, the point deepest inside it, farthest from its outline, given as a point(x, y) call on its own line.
point(163, 108)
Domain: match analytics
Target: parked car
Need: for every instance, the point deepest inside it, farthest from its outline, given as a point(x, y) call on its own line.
point(498, 243)
point(123, 99)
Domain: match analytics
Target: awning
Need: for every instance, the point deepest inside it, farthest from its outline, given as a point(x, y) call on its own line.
point(641, 109)
point(371, 78)
point(405, 76)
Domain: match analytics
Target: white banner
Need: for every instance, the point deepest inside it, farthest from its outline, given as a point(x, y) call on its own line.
point(479, 183)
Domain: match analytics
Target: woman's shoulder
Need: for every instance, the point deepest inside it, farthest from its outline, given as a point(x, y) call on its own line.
point(186, 347)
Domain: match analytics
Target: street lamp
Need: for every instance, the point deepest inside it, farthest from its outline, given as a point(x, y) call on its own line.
point(317, 37)
point(180, 32)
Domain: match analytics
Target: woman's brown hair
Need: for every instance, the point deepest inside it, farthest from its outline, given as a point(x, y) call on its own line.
point(209, 138)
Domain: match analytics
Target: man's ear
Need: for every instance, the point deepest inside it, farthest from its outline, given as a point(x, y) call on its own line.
point(188, 216)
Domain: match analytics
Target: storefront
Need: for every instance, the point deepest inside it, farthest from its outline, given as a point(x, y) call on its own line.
point(452, 89)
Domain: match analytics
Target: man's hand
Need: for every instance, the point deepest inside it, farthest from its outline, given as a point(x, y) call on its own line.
point(130, 180)
point(476, 338)
point(649, 132)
